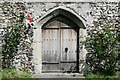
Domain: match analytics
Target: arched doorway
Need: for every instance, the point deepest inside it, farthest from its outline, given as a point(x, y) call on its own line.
point(74, 22)
point(60, 45)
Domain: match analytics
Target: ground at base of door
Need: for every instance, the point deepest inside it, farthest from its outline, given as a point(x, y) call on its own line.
point(59, 75)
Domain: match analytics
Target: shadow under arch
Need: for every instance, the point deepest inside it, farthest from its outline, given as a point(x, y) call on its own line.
point(62, 19)
point(68, 13)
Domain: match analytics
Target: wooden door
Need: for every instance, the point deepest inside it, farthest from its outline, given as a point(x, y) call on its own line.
point(59, 48)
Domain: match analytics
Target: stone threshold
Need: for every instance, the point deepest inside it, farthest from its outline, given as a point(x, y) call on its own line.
point(94, 1)
point(59, 75)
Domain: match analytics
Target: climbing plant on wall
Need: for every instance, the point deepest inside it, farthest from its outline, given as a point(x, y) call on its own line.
point(11, 40)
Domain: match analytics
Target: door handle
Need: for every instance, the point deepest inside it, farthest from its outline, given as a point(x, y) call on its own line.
point(66, 49)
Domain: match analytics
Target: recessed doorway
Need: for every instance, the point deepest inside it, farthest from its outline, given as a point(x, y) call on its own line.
point(60, 45)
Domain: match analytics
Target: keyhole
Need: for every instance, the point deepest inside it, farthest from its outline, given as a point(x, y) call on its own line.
point(66, 49)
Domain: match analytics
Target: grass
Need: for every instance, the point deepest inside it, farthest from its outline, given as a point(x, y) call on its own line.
point(97, 75)
point(13, 73)
point(101, 76)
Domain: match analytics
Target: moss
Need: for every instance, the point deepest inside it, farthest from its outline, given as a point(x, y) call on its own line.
point(74, 75)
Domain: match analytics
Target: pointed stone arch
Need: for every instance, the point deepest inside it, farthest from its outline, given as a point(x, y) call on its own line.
point(61, 10)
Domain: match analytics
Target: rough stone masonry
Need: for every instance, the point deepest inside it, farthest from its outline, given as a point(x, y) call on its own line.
point(94, 14)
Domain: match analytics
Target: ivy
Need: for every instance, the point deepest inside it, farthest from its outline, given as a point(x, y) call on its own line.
point(11, 40)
